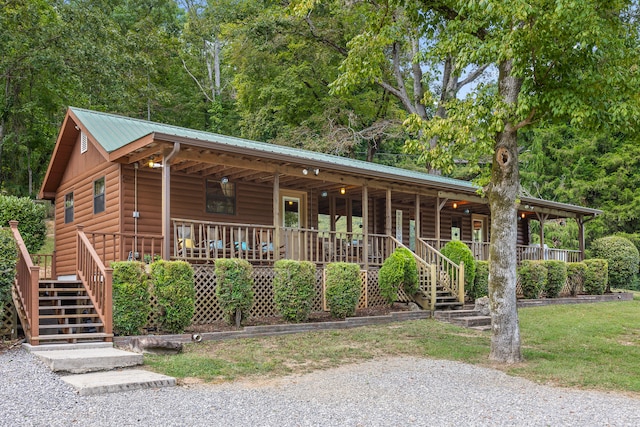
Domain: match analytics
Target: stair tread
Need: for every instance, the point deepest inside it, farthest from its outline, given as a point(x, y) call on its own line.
point(66, 307)
point(81, 289)
point(68, 316)
point(81, 335)
point(64, 298)
point(71, 325)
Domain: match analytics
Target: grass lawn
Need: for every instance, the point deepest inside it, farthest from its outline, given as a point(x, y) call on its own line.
point(595, 346)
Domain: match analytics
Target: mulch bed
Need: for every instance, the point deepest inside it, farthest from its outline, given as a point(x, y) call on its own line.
point(222, 326)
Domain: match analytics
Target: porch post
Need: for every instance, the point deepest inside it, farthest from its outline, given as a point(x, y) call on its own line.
point(541, 219)
point(418, 229)
point(166, 200)
point(387, 221)
point(581, 222)
point(365, 226)
point(276, 216)
point(439, 206)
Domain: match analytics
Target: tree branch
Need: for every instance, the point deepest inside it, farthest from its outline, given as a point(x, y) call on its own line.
point(316, 34)
point(471, 77)
point(204, 92)
point(526, 121)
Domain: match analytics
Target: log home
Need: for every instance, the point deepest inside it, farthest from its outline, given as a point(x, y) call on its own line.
point(125, 188)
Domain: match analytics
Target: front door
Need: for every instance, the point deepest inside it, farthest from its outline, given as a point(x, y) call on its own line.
point(293, 219)
point(479, 236)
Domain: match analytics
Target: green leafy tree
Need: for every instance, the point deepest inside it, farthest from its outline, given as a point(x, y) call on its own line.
point(576, 62)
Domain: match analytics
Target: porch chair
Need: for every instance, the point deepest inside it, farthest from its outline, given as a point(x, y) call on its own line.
point(187, 246)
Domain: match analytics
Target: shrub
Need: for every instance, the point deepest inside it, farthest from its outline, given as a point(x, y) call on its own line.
point(457, 251)
point(400, 269)
point(595, 276)
point(293, 288)
point(8, 258)
point(575, 274)
point(31, 219)
point(131, 306)
point(343, 287)
point(533, 276)
point(556, 277)
point(622, 257)
point(174, 290)
point(481, 283)
point(234, 288)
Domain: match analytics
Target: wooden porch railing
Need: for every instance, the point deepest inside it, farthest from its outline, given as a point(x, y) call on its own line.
point(206, 241)
point(125, 246)
point(96, 279)
point(449, 274)
point(480, 251)
point(26, 289)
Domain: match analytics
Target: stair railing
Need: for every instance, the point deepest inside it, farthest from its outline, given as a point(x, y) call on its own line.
point(426, 273)
point(26, 289)
point(96, 279)
point(449, 274)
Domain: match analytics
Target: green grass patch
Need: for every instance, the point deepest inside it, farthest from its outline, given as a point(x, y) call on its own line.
point(593, 346)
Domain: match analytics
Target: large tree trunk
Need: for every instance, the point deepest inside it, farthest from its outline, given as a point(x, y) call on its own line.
point(502, 194)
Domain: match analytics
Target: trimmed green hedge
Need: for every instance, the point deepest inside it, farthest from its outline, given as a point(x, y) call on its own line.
point(294, 289)
point(533, 276)
point(131, 305)
point(343, 287)
point(8, 259)
point(595, 276)
point(623, 259)
point(575, 274)
point(400, 269)
point(481, 283)
point(234, 288)
point(174, 289)
point(457, 251)
point(556, 277)
point(31, 219)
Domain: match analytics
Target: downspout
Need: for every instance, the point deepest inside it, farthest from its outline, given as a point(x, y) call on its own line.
point(166, 200)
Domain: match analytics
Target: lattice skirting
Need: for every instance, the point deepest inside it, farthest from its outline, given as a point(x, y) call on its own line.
point(207, 308)
point(571, 284)
point(9, 322)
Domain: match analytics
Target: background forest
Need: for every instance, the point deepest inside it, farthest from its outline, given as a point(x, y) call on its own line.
point(256, 69)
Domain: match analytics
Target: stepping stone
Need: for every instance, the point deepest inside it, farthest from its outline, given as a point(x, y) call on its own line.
point(79, 361)
point(115, 381)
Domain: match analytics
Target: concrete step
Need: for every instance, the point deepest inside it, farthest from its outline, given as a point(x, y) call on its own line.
point(114, 381)
point(448, 315)
point(471, 321)
point(88, 360)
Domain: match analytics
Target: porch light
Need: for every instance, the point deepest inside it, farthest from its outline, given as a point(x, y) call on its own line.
point(523, 215)
point(224, 180)
point(316, 172)
point(305, 171)
point(154, 165)
point(343, 190)
point(467, 211)
point(324, 194)
point(455, 205)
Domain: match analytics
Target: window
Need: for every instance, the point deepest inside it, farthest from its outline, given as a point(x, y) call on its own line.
point(68, 208)
point(98, 195)
point(221, 197)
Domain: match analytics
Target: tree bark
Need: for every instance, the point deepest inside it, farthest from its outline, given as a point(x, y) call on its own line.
point(502, 193)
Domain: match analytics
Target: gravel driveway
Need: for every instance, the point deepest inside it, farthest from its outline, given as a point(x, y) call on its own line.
point(391, 392)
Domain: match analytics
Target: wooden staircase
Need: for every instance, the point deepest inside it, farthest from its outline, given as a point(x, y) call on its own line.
point(445, 300)
point(67, 314)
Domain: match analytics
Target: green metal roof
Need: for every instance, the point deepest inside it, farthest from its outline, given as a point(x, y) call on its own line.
point(113, 132)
